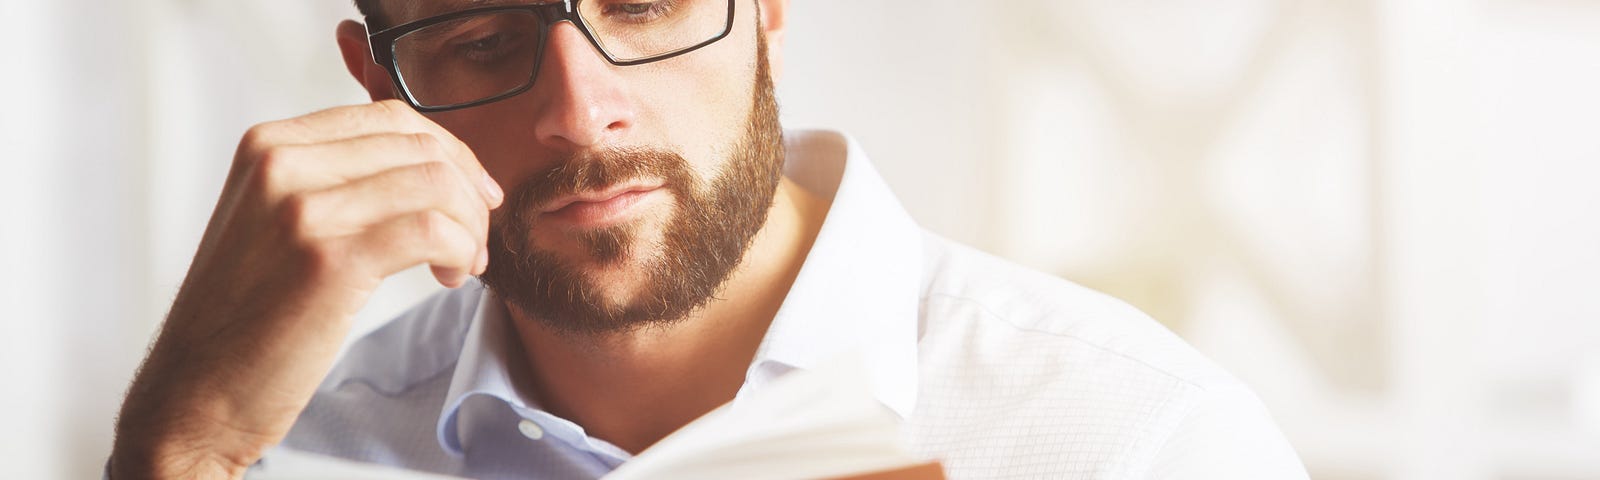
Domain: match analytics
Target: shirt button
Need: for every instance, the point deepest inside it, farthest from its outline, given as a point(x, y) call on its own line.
point(530, 430)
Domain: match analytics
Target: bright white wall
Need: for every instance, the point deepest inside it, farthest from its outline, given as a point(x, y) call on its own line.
point(1378, 213)
point(74, 236)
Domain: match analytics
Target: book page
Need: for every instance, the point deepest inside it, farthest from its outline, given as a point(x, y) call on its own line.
point(818, 423)
point(287, 464)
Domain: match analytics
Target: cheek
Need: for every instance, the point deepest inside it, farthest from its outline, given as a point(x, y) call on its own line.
point(700, 102)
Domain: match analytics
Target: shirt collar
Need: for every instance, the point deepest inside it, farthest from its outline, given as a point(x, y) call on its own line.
point(856, 294)
point(858, 291)
point(482, 366)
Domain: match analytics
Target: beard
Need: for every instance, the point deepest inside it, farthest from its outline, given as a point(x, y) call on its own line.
point(711, 227)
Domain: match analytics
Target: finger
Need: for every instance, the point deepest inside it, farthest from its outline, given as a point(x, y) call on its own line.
point(316, 166)
point(347, 208)
point(347, 121)
point(292, 168)
point(426, 236)
point(359, 125)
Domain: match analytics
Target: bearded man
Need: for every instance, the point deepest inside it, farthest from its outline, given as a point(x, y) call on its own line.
point(648, 244)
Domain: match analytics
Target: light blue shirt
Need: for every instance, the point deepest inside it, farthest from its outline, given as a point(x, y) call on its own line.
point(996, 370)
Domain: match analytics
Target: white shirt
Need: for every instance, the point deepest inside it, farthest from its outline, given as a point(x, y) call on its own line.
point(998, 371)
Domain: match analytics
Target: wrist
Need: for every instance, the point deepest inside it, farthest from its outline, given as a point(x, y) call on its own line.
point(141, 460)
point(174, 439)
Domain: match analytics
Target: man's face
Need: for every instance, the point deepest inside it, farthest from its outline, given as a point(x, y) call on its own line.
point(632, 192)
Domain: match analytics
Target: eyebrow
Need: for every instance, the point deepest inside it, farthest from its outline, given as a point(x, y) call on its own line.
point(434, 8)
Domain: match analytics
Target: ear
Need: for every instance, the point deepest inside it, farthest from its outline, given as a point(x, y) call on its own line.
point(773, 20)
point(358, 60)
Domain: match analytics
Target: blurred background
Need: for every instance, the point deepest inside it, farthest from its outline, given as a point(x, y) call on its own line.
point(1380, 214)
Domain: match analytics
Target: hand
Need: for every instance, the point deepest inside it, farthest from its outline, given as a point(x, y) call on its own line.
point(315, 213)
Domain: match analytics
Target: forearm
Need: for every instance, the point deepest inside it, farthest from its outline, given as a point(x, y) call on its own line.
point(317, 211)
point(179, 431)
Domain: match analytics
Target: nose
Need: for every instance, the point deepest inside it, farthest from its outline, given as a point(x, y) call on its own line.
point(585, 103)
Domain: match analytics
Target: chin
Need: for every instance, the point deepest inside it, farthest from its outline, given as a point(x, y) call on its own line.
point(625, 266)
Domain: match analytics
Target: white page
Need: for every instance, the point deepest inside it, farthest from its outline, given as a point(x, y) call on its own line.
point(286, 464)
point(816, 423)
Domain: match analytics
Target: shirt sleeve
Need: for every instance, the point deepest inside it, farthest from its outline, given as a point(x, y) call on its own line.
point(1228, 434)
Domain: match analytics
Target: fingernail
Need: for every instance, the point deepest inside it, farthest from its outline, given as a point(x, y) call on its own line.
point(495, 194)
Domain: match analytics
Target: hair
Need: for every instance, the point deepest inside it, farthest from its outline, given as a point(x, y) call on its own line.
point(369, 10)
point(374, 16)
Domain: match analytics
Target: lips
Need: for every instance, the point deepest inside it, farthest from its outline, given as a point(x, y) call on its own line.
point(594, 196)
point(599, 207)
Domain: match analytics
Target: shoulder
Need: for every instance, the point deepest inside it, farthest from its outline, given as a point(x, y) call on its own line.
point(994, 300)
point(381, 401)
point(1027, 374)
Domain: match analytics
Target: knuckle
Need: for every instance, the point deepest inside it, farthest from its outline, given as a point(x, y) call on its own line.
point(257, 136)
point(274, 159)
point(431, 225)
point(294, 214)
point(435, 173)
point(270, 154)
point(296, 220)
point(320, 258)
point(392, 104)
point(393, 108)
point(252, 146)
point(272, 165)
point(427, 143)
point(464, 203)
point(443, 236)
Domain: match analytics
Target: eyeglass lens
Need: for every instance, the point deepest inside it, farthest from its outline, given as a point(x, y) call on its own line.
point(482, 56)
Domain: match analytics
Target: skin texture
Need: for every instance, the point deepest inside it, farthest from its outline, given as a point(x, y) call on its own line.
point(317, 210)
point(683, 259)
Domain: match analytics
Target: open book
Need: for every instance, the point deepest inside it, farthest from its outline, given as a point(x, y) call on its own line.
point(809, 424)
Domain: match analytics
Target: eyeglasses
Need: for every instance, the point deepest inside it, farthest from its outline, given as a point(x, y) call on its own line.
point(481, 55)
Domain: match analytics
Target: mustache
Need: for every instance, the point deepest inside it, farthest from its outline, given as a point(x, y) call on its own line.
point(595, 170)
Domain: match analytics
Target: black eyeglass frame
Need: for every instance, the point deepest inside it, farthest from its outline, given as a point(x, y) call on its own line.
point(382, 43)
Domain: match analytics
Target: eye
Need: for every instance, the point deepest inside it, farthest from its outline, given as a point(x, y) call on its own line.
point(639, 11)
point(485, 43)
point(489, 46)
point(635, 8)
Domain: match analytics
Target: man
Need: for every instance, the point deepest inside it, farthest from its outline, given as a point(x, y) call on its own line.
point(650, 245)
